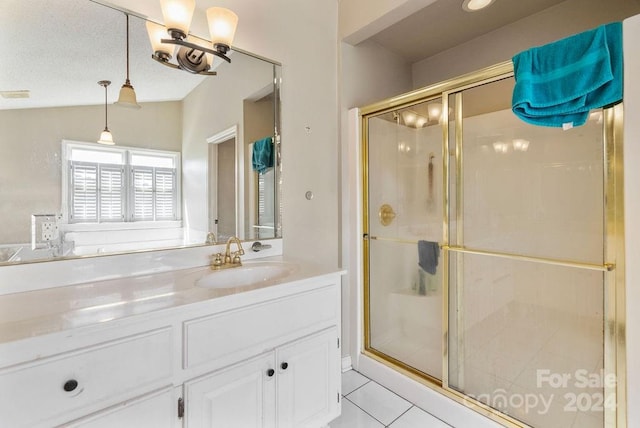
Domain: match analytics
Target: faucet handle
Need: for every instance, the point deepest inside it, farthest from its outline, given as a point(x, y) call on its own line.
point(217, 260)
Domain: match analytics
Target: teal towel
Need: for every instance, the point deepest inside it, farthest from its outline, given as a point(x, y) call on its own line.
point(262, 157)
point(559, 83)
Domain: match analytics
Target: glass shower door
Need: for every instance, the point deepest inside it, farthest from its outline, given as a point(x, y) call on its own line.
point(526, 263)
point(404, 228)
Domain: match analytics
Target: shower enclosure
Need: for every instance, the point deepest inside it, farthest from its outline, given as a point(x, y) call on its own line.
point(493, 253)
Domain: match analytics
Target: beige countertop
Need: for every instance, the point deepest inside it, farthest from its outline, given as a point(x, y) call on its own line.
point(39, 312)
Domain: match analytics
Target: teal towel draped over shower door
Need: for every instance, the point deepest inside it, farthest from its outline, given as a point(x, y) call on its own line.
point(557, 84)
point(262, 156)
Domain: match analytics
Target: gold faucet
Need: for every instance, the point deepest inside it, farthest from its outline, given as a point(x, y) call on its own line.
point(211, 239)
point(236, 255)
point(228, 259)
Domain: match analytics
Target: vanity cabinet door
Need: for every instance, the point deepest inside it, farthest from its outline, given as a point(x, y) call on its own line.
point(242, 396)
point(308, 381)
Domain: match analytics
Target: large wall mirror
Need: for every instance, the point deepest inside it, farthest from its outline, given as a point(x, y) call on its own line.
point(201, 155)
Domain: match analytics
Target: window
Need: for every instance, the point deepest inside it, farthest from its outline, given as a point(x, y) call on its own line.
point(120, 184)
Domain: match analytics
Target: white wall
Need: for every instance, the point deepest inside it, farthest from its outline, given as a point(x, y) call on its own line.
point(30, 165)
point(562, 20)
point(208, 110)
point(302, 35)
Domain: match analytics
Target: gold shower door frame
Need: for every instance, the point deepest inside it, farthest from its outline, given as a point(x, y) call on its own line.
point(613, 268)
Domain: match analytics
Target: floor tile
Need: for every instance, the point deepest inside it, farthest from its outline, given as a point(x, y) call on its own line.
point(351, 381)
point(379, 402)
point(354, 417)
point(418, 418)
point(588, 421)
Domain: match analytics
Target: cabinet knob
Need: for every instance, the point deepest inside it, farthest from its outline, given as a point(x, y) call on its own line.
point(70, 385)
point(284, 366)
point(271, 372)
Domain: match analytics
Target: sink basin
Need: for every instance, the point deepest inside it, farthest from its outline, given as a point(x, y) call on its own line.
point(250, 273)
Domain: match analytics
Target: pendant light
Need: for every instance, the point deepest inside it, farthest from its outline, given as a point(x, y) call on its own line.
point(127, 96)
point(105, 136)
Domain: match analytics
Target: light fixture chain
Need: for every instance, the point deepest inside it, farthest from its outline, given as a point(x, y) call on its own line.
point(127, 15)
point(106, 109)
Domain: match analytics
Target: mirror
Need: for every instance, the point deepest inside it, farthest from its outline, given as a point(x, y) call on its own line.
point(182, 166)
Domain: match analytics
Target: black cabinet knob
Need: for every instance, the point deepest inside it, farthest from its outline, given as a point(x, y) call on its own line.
point(271, 372)
point(70, 385)
point(284, 366)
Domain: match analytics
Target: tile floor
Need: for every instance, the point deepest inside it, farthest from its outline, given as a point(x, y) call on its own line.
point(366, 404)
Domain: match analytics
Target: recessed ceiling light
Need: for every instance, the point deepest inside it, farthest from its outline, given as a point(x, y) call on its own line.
point(474, 5)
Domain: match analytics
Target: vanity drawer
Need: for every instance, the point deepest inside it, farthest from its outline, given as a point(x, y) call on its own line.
point(53, 390)
point(242, 333)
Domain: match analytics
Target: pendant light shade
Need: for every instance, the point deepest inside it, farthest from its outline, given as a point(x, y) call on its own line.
point(105, 136)
point(127, 97)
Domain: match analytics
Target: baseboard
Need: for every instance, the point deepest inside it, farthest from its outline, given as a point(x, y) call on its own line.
point(346, 363)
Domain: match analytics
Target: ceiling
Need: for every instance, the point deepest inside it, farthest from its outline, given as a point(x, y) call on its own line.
point(60, 49)
point(444, 24)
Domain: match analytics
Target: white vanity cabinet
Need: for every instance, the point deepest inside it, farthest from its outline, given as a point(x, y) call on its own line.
point(265, 357)
point(294, 386)
point(49, 391)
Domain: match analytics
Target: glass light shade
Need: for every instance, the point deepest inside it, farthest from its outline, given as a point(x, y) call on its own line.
point(127, 97)
point(421, 121)
point(177, 14)
point(156, 33)
point(409, 117)
point(435, 111)
point(106, 138)
point(520, 145)
point(222, 25)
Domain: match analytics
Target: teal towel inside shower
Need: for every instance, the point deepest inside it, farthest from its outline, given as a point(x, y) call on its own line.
point(557, 84)
point(262, 156)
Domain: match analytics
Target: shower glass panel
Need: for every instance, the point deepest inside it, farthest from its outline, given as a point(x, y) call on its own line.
point(405, 208)
point(533, 340)
point(529, 189)
point(526, 298)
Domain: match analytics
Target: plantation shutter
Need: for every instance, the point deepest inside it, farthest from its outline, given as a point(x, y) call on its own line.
point(111, 191)
point(154, 193)
point(97, 192)
point(165, 195)
point(84, 191)
point(142, 193)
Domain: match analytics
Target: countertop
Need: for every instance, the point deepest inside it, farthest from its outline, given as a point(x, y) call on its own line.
point(39, 312)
